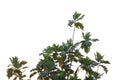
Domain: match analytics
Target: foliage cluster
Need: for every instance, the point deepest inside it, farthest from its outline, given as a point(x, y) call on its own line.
point(57, 61)
point(16, 69)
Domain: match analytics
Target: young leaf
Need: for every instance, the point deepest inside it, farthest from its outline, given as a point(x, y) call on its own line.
point(76, 15)
point(15, 62)
point(87, 36)
point(98, 57)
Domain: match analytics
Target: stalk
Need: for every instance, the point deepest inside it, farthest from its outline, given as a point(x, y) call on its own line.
point(73, 34)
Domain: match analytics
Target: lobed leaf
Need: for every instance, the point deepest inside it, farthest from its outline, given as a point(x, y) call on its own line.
point(86, 36)
point(98, 57)
point(76, 15)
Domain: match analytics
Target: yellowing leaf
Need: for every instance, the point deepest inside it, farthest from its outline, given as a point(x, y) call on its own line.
point(44, 67)
point(60, 61)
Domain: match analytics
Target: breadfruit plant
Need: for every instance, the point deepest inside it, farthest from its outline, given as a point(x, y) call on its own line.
point(69, 60)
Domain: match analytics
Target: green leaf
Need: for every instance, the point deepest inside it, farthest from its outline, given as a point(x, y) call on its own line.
point(31, 75)
point(46, 55)
point(54, 76)
point(52, 65)
point(98, 57)
point(44, 73)
point(70, 23)
point(15, 78)
point(81, 17)
point(94, 40)
point(79, 25)
point(23, 76)
point(95, 74)
point(76, 15)
point(87, 49)
point(86, 36)
point(34, 69)
point(24, 67)
point(85, 44)
point(74, 78)
point(63, 54)
point(17, 71)
point(74, 46)
point(23, 63)
point(15, 62)
point(9, 72)
point(105, 62)
point(62, 75)
point(105, 68)
point(55, 56)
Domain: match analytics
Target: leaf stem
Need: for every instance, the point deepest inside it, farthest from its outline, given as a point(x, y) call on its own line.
point(98, 67)
point(73, 34)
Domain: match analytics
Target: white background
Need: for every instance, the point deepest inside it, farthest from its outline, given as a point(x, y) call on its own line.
point(28, 26)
